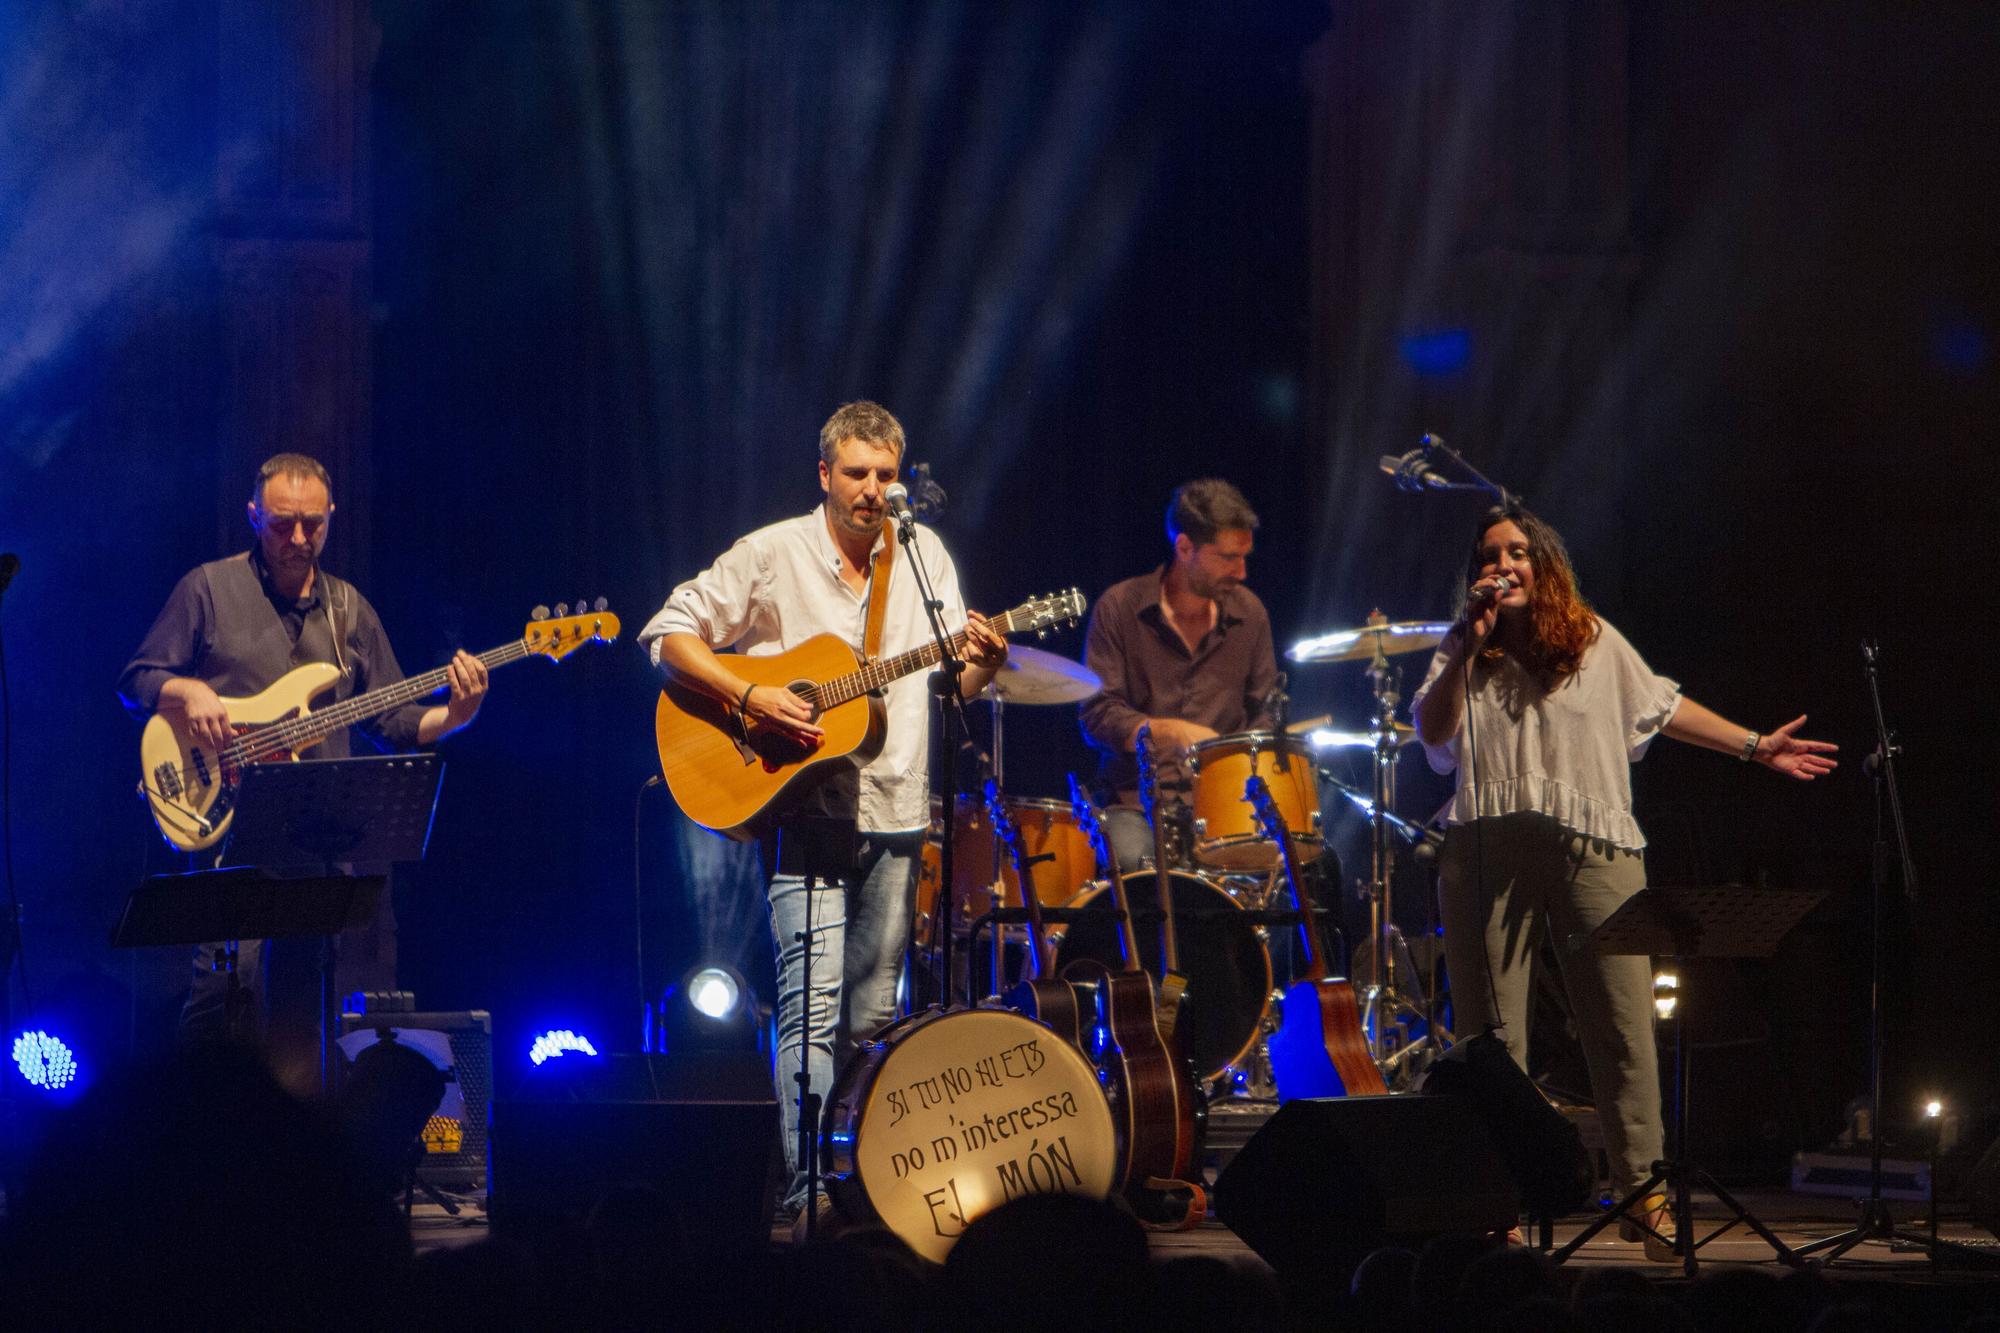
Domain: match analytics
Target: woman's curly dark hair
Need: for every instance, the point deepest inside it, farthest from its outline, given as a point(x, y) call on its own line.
point(1564, 624)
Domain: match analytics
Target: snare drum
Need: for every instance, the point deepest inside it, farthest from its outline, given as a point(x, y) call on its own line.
point(1222, 955)
point(948, 1114)
point(1048, 830)
point(1225, 828)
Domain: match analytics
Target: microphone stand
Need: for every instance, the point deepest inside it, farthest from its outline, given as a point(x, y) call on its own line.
point(1412, 474)
point(1875, 1222)
point(944, 683)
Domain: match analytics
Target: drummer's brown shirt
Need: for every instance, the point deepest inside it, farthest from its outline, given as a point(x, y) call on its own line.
point(1148, 671)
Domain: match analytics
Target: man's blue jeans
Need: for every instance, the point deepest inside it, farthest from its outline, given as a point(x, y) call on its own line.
point(860, 924)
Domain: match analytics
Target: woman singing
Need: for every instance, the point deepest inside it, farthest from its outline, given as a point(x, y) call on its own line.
point(1541, 706)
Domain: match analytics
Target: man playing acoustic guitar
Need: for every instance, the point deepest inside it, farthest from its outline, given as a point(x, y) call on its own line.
point(771, 591)
point(234, 627)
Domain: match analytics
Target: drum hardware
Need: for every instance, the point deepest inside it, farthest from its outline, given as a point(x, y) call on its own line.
point(1385, 1006)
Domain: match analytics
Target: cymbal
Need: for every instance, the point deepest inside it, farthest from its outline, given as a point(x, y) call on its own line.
point(1035, 676)
point(1353, 645)
point(1324, 738)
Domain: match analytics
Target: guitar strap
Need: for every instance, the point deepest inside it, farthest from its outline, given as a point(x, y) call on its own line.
point(878, 597)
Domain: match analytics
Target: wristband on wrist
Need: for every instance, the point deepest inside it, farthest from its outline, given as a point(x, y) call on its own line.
point(743, 704)
point(1750, 744)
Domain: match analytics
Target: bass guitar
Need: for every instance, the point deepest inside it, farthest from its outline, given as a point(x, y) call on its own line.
point(1319, 1049)
point(1154, 1098)
point(1043, 996)
point(191, 787)
point(731, 776)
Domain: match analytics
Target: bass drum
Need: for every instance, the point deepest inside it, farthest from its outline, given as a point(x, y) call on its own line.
point(1221, 954)
point(948, 1114)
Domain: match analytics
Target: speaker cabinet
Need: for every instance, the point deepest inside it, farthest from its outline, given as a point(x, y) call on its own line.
point(1327, 1180)
point(454, 1145)
point(700, 1128)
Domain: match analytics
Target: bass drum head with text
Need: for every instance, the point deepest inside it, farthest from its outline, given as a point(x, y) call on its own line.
point(948, 1115)
point(1221, 954)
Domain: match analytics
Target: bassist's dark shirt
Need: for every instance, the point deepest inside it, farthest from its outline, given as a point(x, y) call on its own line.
point(226, 624)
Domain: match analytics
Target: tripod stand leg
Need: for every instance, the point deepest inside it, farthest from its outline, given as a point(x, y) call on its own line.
point(1786, 1254)
point(1623, 1209)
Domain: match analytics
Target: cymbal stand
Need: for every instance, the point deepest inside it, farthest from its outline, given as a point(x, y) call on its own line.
point(1383, 1003)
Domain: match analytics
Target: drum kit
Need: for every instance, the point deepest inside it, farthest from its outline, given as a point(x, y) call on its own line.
point(966, 1107)
point(1224, 874)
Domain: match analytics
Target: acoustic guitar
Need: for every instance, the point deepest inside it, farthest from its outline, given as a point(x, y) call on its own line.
point(1154, 1096)
point(1173, 997)
point(1042, 996)
point(1319, 1049)
point(733, 777)
point(191, 787)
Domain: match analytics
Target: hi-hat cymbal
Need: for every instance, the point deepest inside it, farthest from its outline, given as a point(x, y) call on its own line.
point(1034, 676)
point(1352, 645)
point(1325, 738)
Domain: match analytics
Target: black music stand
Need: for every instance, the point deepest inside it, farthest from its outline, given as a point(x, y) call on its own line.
point(289, 866)
point(1725, 921)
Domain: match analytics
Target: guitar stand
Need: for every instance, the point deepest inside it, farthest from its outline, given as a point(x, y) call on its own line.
point(1682, 923)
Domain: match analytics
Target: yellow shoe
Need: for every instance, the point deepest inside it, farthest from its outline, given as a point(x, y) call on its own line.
point(1653, 1228)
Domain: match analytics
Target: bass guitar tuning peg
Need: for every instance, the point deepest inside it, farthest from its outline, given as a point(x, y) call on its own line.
point(539, 613)
point(562, 608)
point(600, 605)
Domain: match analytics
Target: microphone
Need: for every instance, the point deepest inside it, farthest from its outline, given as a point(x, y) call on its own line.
point(1481, 595)
point(1413, 471)
point(897, 497)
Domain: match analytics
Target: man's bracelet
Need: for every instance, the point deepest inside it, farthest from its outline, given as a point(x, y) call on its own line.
point(1750, 744)
point(743, 704)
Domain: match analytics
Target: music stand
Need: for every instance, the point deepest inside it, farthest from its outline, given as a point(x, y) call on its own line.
point(288, 867)
point(1725, 921)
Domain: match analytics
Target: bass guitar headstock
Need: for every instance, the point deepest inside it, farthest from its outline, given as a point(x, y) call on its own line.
point(557, 636)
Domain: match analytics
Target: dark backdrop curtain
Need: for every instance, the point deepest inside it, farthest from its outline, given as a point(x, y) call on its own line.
point(630, 256)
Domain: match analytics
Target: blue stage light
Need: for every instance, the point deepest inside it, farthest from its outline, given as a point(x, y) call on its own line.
point(558, 1041)
point(1438, 353)
point(45, 1061)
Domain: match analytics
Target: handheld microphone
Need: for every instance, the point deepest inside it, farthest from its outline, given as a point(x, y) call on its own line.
point(897, 497)
point(1480, 596)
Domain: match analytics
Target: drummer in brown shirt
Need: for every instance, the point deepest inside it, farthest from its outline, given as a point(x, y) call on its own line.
point(1186, 648)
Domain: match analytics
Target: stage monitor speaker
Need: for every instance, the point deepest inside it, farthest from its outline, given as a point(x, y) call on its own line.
point(700, 1128)
point(1327, 1180)
point(1541, 1148)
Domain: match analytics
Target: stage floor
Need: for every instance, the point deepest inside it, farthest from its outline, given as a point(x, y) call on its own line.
point(1796, 1219)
